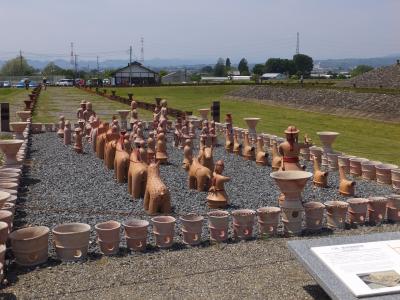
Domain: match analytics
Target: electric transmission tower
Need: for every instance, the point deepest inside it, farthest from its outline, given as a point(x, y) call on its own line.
point(142, 50)
point(298, 44)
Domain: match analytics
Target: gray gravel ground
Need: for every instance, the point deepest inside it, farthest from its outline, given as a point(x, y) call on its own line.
point(62, 186)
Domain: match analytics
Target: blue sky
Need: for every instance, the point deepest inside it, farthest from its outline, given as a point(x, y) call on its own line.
point(206, 29)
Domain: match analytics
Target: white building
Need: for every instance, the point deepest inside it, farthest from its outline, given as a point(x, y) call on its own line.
point(137, 74)
point(271, 76)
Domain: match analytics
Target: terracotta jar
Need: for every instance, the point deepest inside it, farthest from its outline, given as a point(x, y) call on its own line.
point(291, 184)
point(314, 213)
point(191, 229)
point(368, 169)
point(357, 212)
point(320, 178)
point(71, 240)
point(18, 128)
point(248, 152)
point(10, 149)
point(393, 207)
point(384, 173)
point(136, 234)
point(4, 231)
point(30, 245)
point(327, 138)
point(355, 166)
point(164, 230)
point(243, 222)
point(218, 222)
point(333, 163)
point(268, 220)
point(377, 209)
point(108, 236)
point(7, 216)
point(261, 156)
point(396, 179)
point(336, 214)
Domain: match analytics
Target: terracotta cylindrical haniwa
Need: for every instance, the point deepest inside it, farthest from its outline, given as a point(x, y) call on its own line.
point(384, 173)
point(4, 231)
point(108, 236)
point(243, 222)
point(336, 213)
point(136, 234)
point(377, 209)
point(396, 179)
point(164, 230)
point(268, 220)
point(393, 207)
point(333, 163)
point(7, 216)
point(30, 245)
point(357, 212)
point(314, 213)
point(368, 169)
point(191, 229)
point(355, 166)
point(218, 223)
point(71, 240)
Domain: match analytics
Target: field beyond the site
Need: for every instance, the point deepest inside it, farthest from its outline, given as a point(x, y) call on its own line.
point(367, 138)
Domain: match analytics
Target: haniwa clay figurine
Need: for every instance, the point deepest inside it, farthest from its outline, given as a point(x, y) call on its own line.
point(261, 156)
point(134, 114)
point(101, 139)
point(78, 140)
point(137, 173)
point(121, 161)
point(217, 196)
point(67, 133)
point(237, 147)
point(89, 112)
point(248, 149)
point(229, 140)
point(157, 198)
point(163, 119)
point(346, 187)
point(161, 149)
point(81, 109)
point(61, 126)
point(187, 154)
point(199, 176)
point(110, 146)
point(276, 157)
point(320, 178)
point(151, 147)
point(94, 132)
point(290, 150)
point(206, 157)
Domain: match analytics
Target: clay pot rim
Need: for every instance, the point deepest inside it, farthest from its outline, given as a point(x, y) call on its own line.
point(8, 185)
point(116, 224)
point(371, 162)
point(163, 219)
point(331, 133)
point(313, 205)
point(83, 228)
point(3, 225)
point(7, 212)
point(268, 209)
point(336, 203)
point(193, 218)
point(355, 201)
point(358, 159)
point(135, 223)
point(397, 170)
point(243, 212)
point(377, 199)
point(42, 231)
point(290, 175)
point(386, 166)
point(4, 196)
point(11, 142)
point(218, 214)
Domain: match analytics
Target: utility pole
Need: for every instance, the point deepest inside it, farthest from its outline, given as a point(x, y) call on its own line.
point(98, 71)
point(130, 67)
point(298, 44)
point(76, 66)
point(142, 50)
point(72, 54)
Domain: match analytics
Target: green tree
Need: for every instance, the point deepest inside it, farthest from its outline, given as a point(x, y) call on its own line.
point(360, 70)
point(163, 73)
point(195, 77)
point(259, 69)
point(207, 69)
point(228, 64)
point(243, 67)
point(279, 65)
point(219, 69)
point(17, 66)
point(303, 63)
point(52, 69)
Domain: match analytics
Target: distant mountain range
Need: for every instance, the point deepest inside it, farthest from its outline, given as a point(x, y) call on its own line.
point(159, 63)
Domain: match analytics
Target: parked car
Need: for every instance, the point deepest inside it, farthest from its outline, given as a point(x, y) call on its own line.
point(65, 82)
point(33, 84)
point(20, 84)
point(5, 84)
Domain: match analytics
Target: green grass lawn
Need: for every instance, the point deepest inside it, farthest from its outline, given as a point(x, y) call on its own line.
point(366, 138)
point(15, 97)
